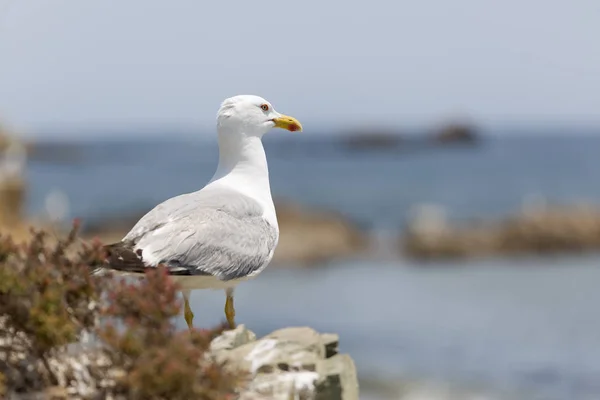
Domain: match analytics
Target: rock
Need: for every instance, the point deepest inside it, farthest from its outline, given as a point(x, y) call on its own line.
point(309, 236)
point(77, 372)
point(12, 201)
point(50, 151)
point(390, 140)
point(330, 341)
point(289, 363)
point(232, 339)
point(455, 133)
point(13, 159)
point(372, 140)
point(13, 189)
point(542, 230)
point(9, 138)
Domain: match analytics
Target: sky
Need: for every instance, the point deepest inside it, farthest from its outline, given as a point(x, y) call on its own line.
point(72, 64)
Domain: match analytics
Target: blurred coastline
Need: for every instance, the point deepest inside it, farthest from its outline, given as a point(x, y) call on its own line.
point(452, 192)
point(350, 209)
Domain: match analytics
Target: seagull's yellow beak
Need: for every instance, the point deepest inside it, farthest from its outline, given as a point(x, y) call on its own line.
point(287, 123)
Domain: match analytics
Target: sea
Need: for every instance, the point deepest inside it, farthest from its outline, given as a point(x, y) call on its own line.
point(503, 328)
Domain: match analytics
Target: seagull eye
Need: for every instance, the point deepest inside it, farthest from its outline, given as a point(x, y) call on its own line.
point(264, 107)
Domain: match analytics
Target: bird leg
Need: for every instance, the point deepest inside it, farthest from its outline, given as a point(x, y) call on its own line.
point(187, 310)
point(229, 309)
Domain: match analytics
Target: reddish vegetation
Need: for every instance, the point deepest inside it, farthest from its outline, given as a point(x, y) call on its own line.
point(48, 298)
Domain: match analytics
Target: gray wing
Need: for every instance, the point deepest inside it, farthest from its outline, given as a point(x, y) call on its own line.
point(216, 232)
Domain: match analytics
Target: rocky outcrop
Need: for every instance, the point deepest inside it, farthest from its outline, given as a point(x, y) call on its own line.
point(372, 140)
point(13, 188)
point(54, 152)
point(309, 236)
point(7, 138)
point(539, 230)
point(391, 140)
point(455, 133)
point(291, 363)
point(12, 200)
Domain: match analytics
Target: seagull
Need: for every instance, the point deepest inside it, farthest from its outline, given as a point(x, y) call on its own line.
point(227, 231)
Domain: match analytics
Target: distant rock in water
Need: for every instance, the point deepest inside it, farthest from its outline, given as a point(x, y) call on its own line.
point(308, 236)
point(391, 140)
point(13, 187)
point(378, 140)
point(62, 152)
point(455, 133)
point(7, 137)
point(536, 230)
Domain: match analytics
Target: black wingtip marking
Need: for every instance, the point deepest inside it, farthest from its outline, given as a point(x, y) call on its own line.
point(121, 257)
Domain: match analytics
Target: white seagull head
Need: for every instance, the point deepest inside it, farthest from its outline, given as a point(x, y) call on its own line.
point(252, 116)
